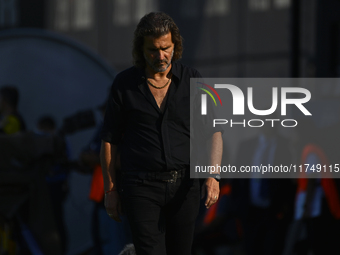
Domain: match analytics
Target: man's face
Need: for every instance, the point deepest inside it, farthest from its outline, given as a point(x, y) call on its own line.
point(158, 52)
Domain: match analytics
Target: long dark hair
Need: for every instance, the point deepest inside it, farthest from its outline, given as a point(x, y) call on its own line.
point(155, 24)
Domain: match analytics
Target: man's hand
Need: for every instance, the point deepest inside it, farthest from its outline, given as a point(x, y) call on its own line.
point(211, 187)
point(113, 205)
point(108, 153)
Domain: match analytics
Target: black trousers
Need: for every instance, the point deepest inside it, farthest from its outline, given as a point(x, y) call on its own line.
point(161, 214)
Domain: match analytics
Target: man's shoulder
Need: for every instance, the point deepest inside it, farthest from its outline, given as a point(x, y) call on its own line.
point(128, 74)
point(181, 69)
point(182, 66)
point(128, 78)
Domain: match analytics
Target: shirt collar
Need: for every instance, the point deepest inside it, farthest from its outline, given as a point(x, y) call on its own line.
point(175, 70)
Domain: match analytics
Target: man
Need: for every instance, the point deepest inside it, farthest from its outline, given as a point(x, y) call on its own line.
point(12, 149)
point(11, 121)
point(148, 116)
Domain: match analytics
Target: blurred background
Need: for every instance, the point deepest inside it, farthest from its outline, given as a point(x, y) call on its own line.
point(62, 56)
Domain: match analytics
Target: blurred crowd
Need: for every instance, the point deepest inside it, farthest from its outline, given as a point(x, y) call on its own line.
point(288, 216)
point(252, 216)
point(50, 204)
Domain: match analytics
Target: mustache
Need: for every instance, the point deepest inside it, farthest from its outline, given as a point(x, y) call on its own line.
point(161, 62)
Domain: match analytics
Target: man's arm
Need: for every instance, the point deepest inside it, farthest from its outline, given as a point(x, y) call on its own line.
point(211, 186)
point(112, 201)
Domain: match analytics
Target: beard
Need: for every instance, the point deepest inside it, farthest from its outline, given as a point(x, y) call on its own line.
point(156, 65)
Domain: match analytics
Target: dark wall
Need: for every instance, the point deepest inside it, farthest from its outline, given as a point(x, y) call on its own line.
point(239, 38)
point(328, 39)
point(236, 38)
point(22, 13)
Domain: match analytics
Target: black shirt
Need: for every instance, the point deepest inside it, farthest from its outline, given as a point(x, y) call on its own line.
point(150, 140)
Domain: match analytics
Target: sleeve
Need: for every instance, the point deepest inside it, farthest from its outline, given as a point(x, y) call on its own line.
point(113, 125)
point(204, 123)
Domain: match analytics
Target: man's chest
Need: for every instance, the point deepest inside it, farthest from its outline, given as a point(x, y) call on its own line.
point(160, 96)
point(144, 104)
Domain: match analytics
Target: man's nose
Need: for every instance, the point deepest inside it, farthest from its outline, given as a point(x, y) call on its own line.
point(160, 55)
